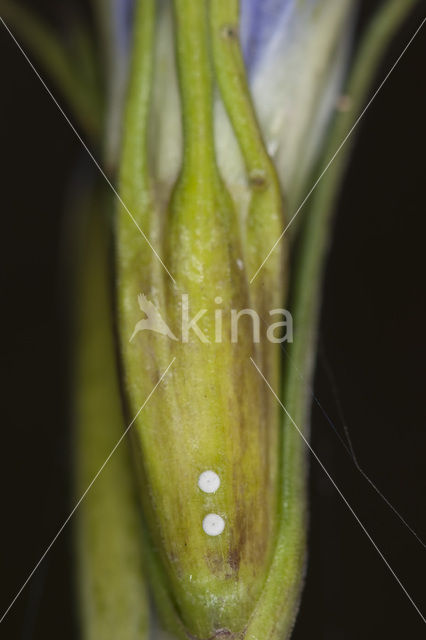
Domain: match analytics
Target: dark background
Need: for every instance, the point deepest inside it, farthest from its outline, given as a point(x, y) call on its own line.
point(372, 340)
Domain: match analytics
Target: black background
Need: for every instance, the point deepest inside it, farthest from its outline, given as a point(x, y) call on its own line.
point(372, 338)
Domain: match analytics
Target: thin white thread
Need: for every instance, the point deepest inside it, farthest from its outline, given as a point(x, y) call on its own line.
point(342, 144)
point(349, 448)
point(333, 482)
point(86, 148)
point(48, 548)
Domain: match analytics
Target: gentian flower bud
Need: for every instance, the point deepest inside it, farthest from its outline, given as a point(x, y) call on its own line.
point(224, 117)
point(206, 232)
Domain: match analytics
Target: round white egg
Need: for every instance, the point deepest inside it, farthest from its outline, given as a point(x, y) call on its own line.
point(213, 524)
point(209, 481)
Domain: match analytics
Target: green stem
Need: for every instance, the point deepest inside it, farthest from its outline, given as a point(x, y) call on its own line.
point(265, 215)
point(195, 80)
point(231, 76)
point(135, 172)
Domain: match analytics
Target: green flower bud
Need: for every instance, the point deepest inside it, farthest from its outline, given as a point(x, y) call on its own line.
point(226, 561)
point(222, 477)
point(211, 412)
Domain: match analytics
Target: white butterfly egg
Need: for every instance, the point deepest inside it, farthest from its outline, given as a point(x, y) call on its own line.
point(209, 481)
point(213, 524)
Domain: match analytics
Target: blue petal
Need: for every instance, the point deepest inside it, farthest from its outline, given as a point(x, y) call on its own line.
point(258, 21)
point(121, 19)
point(261, 21)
